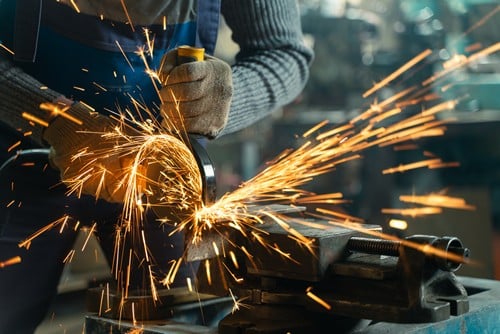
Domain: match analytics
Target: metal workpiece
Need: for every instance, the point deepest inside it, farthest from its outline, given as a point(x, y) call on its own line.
point(310, 264)
point(352, 277)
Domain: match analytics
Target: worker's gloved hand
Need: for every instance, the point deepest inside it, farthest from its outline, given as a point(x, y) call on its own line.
point(198, 92)
point(85, 156)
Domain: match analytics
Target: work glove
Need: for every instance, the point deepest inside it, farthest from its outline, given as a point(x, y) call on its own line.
point(196, 96)
point(85, 156)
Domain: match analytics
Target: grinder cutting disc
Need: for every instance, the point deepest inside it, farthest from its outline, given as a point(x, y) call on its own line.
point(207, 169)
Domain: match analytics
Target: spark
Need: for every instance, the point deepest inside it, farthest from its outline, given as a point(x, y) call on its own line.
point(482, 21)
point(13, 146)
point(124, 56)
point(314, 128)
point(439, 200)
point(70, 256)
point(424, 54)
point(405, 147)
point(60, 221)
point(75, 6)
point(153, 75)
point(207, 271)
point(378, 107)
point(134, 321)
point(317, 299)
point(101, 303)
point(89, 234)
point(54, 110)
point(398, 224)
point(10, 262)
point(461, 61)
point(125, 10)
point(150, 42)
point(33, 118)
point(87, 106)
point(414, 212)
point(474, 46)
point(415, 165)
point(6, 49)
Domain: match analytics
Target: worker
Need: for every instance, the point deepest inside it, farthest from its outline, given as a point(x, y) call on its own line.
point(82, 56)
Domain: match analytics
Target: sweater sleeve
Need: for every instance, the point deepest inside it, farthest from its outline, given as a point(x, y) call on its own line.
point(272, 65)
point(19, 93)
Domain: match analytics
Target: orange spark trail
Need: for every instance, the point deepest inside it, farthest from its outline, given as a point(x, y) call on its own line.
point(463, 61)
point(6, 49)
point(35, 119)
point(10, 262)
point(414, 165)
point(27, 242)
point(398, 72)
point(438, 200)
point(482, 21)
point(122, 2)
point(54, 110)
point(13, 146)
point(125, 56)
point(414, 212)
point(317, 299)
point(75, 6)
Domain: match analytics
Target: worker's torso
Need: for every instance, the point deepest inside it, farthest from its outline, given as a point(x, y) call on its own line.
point(89, 50)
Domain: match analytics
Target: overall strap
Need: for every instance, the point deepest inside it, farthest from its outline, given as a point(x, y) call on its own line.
point(208, 24)
point(26, 29)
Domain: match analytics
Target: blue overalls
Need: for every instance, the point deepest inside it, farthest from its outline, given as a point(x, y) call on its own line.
point(94, 70)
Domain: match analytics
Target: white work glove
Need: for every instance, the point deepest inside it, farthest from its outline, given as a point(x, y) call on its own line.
point(103, 177)
point(198, 92)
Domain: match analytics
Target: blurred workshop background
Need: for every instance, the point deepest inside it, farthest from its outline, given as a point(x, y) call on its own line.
point(358, 43)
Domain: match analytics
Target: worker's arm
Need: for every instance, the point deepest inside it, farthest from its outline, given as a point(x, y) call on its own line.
point(272, 65)
point(271, 69)
point(20, 93)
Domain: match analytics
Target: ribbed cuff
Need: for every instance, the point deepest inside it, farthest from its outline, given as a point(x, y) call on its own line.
point(20, 93)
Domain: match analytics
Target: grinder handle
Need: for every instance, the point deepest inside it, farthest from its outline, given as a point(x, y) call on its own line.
point(187, 54)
